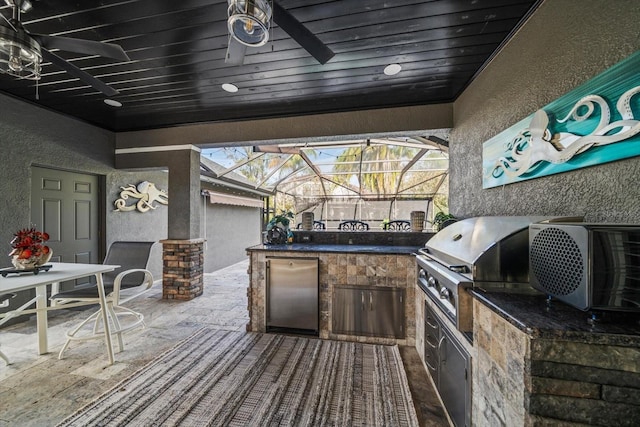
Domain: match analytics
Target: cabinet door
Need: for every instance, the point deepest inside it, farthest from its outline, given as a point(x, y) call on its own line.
point(348, 306)
point(455, 380)
point(360, 310)
point(384, 313)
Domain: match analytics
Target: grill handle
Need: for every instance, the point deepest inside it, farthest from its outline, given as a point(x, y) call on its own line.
point(456, 268)
point(442, 359)
point(459, 269)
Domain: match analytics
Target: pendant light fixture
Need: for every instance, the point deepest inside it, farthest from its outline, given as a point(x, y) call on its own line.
point(22, 52)
point(19, 54)
point(249, 21)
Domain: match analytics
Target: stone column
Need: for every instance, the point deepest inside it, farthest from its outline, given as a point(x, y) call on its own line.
point(182, 252)
point(183, 262)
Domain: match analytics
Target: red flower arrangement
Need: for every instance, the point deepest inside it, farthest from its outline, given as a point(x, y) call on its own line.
point(28, 246)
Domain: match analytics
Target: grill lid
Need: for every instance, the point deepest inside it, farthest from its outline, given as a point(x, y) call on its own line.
point(491, 248)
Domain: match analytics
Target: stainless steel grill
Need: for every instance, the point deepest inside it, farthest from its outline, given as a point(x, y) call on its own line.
point(490, 252)
point(485, 251)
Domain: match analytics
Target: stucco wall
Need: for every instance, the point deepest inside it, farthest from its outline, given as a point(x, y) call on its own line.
point(30, 135)
point(564, 44)
point(229, 230)
point(34, 136)
point(134, 225)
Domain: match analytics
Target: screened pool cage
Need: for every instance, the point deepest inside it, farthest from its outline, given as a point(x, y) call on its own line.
point(374, 180)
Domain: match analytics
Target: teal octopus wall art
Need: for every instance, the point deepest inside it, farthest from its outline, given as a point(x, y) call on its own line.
point(595, 123)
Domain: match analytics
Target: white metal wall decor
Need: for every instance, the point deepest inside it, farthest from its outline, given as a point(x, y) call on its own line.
point(595, 123)
point(146, 193)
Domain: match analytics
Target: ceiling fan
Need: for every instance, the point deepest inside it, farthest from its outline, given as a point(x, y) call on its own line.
point(22, 53)
point(249, 22)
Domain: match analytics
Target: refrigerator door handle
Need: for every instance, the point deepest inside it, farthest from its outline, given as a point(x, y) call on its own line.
point(267, 287)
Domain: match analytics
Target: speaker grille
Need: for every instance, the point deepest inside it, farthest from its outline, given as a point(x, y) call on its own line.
point(556, 261)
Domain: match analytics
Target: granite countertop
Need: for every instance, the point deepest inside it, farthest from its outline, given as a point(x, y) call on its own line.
point(539, 318)
point(365, 249)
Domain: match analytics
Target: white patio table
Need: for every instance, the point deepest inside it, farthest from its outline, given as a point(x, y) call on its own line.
point(59, 272)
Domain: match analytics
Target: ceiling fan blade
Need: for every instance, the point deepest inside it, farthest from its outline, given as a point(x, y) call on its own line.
point(77, 72)
point(235, 52)
point(86, 47)
point(301, 34)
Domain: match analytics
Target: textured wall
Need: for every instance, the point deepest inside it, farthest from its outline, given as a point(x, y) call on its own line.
point(33, 136)
point(184, 176)
point(229, 230)
point(134, 225)
point(564, 44)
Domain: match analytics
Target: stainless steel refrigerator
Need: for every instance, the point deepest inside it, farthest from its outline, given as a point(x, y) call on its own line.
point(292, 294)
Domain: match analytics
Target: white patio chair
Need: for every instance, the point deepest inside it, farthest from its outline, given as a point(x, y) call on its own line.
point(132, 277)
point(4, 302)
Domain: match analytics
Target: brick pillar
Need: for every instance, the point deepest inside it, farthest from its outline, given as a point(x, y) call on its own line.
point(183, 263)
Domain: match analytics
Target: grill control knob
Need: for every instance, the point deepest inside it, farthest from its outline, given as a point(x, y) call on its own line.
point(444, 293)
point(432, 281)
point(422, 274)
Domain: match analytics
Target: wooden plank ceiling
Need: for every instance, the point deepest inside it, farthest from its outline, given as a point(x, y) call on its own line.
point(177, 51)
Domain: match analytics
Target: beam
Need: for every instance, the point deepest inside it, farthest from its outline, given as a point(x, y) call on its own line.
point(400, 120)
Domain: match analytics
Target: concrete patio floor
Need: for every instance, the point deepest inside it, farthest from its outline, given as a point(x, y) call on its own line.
point(42, 390)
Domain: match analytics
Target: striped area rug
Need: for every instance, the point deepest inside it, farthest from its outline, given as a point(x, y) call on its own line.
point(220, 378)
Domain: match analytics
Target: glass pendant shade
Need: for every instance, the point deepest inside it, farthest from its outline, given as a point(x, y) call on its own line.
point(249, 21)
point(19, 54)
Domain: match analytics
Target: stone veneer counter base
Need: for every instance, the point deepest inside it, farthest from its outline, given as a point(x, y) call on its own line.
point(366, 266)
point(540, 364)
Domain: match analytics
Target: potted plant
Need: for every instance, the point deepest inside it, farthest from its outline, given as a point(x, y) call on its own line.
point(282, 220)
point(277, 228)
point(441, 220)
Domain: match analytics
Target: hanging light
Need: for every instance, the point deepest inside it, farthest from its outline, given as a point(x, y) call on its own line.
point(249, 21)
point(19, 53)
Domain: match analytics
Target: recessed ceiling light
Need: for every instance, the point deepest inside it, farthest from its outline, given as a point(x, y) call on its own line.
point(113, 102)
point(392, 69)
point(231, 88)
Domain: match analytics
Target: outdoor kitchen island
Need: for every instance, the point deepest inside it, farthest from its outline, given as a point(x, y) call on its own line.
point(366, 290)
point(540, 362)
point(499, 354)
point(531, 362)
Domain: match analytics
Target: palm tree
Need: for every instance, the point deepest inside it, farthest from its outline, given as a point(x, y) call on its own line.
point(376, 168)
